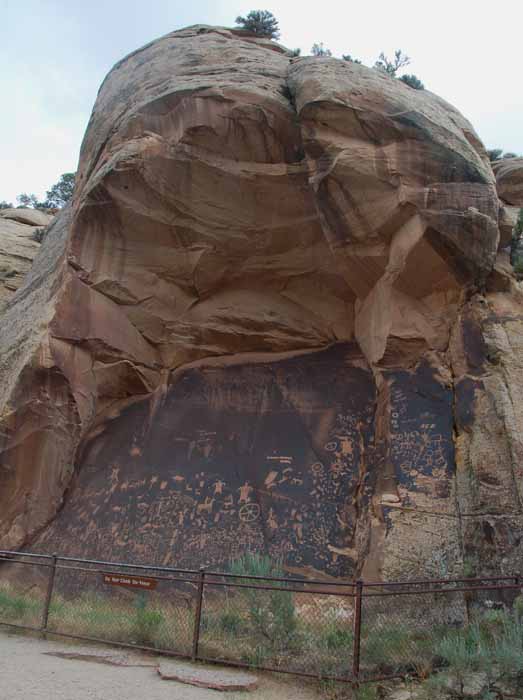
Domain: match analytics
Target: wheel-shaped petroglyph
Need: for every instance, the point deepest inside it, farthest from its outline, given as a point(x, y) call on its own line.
point(249, 512)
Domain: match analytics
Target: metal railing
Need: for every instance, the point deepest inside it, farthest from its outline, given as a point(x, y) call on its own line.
point(340, 631)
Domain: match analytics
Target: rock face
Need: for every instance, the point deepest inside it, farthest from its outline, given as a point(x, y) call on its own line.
point(18, 247)
point(269, 320)
point(509, 178)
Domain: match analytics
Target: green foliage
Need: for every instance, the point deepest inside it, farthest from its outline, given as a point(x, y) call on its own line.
point(271, 613)
point(412, 81)
point(230, 621)
point(5, 205)
point(518, 229)
point(295, 53)
point(493, 644)
point(462, 651)
point(496, 154)
point(56, 198)
point(518, 608)
point(347, 57)
point(320, 51)
point(469, 567)
point(256, 657)
point(28, 200)
point(13, 607)
point(336, 637)
point(515, 242)
point(146, 621)
point(391, 67)
point(260, 22)
point(39, 234)
point(61, 192)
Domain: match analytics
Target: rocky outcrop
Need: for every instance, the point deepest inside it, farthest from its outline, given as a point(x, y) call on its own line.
point(261, 324)
point(18, 247)
point(31, 217)
point(509, 179)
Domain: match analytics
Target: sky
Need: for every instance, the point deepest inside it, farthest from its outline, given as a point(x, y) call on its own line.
point(55, 53)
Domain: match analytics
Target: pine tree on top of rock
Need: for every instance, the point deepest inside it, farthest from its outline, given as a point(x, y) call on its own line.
point(260, 22)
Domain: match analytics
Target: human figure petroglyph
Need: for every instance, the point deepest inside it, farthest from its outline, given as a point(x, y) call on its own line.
point(218, 487)
point(245, 492)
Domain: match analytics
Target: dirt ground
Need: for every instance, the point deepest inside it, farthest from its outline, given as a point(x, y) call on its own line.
point(32, 668)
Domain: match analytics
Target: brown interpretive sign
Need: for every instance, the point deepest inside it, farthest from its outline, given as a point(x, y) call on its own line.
point(137, 582)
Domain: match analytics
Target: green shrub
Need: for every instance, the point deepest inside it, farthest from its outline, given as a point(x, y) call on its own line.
point(271, 613)
point(320, 51)
point(13, 607)
point(347, 57)
point(412, 81)
point(256, 657)
point(146, 622)
point(335, 637)
point(391, 67)
point(230, 621)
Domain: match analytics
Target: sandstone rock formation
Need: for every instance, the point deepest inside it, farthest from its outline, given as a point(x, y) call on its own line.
point(509, 178)
point(270, 320)
point(18, 247)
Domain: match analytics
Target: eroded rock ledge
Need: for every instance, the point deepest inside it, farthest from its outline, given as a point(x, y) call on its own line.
point(262, 324)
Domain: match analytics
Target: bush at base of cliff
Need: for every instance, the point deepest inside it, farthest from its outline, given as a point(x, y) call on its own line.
point(271, 613)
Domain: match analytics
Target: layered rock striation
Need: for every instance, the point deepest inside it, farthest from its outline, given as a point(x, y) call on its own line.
point(509, 178)
point(19, 243)
point(270, 320)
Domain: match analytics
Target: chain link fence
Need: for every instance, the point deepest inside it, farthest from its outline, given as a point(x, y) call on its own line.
point(352, 632)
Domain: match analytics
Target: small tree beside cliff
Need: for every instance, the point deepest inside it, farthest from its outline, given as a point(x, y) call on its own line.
point(60, 193)
point(260, 22)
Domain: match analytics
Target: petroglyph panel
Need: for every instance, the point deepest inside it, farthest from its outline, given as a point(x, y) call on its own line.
point(421, 444)
point(263, 457)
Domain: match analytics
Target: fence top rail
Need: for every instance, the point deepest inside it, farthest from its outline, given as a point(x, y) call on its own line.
point(444, 591)
point(8, 555)
point(429, 581)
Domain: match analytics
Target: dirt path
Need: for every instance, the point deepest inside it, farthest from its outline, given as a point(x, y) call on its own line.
point(29, 670)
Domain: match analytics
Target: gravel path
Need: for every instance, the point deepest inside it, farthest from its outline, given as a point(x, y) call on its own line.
point(29, 671)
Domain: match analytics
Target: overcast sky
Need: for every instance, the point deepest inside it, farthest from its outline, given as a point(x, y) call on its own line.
point(55, 53)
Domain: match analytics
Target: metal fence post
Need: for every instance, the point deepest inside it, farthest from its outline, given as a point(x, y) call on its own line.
point(198, 614)
point(357, 632)
point(516, 579)
point(49, 594)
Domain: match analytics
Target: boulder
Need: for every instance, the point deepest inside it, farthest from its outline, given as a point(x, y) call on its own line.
point(261, 324)
point(509, 180)
point(31, 217)
point(215, 678)
point(18, 248)
point(508, 217)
